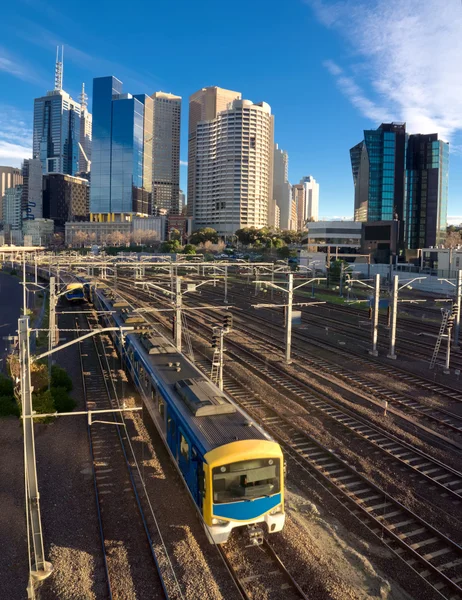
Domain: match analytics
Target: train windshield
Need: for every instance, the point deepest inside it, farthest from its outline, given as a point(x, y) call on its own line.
point(246, 480)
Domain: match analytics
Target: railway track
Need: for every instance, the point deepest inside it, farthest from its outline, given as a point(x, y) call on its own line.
point(132, 566)
point(259, 570)
point(428, 552)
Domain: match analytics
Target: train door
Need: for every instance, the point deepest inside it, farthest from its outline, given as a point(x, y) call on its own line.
point(171, 436)
point(184, 459)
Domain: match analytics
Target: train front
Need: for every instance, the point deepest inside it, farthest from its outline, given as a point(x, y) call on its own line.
point(244, 486)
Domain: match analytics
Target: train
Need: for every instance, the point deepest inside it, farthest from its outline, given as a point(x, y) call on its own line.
point(75, 292)
point(233, 469)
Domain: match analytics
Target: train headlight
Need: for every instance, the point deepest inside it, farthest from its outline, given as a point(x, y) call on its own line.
point(277, 509)
point(219, 522)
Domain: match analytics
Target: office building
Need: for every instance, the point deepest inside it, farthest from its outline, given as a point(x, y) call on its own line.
point(56, 128)
point(334, 236)
point(32, 193)
point(427, 173)
point(65, 198)
point(404, 178)
point(9, 177)
point(234, 168)
point(85, 134)
point(166, 152)
point(299, 199)
point(311, 187)
point(182, 201)
point(12, 203)
point(378, 166)
point(121, 169)
point(38, 232)
point(139, 230)
point(282, 190)
point(204, 105)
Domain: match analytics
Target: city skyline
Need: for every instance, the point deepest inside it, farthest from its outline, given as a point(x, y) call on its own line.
point(340, 89)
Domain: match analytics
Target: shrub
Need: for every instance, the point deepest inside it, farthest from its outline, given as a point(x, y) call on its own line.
point(60, 379)
point(6, 386)
point(62, 401)
point(43, 403)
point(8, 406)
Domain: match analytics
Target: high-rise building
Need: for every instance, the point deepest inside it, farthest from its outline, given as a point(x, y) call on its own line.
point(312, 197)
point(56, 129)
point(182, 201)
point(282, 192)
point(32, 193)
point(299, 198)
point(204, 105)
point(85, 134)
point(378, 165)
point(166, 152)
point(121, 169)
point(405, 178)
point(427, 172)
point(9, 178)
point(65, 198)
point(12, 207)
point(234, 168)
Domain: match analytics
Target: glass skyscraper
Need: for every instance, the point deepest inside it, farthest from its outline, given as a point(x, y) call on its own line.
point(402, 177)
point(56, 129)
point(121, 169)
point(427, 165)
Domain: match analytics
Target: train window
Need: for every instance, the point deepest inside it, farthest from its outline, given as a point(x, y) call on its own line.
point(171, 426)
point(248, 479)
point(184, 447)
point(162, 407)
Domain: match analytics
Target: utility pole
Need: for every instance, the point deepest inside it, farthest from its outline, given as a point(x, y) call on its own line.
point(178, 304)
point(458, 300)
point(40, 569)
point(24, 289)
point(220, 372)
point(394, 317)
point(226, 286)
point(290, 299)
point(375, 322)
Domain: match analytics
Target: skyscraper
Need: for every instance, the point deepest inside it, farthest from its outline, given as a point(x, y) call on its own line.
point(85, 134)
point(32, 195)
point(233, 173)
point(9, 178)
point(166, 152)
point(311, 187)
point(427, 169)
point(299, 199)
point(204, 105)
point(378, 166)
point(121, 170)
point(282, 192)
point(56, 129)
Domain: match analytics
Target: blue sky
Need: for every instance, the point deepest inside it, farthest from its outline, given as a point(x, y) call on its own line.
point(329, 69)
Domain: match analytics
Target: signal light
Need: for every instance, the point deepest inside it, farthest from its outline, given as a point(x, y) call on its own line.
point(214, 340)
point(228, 321)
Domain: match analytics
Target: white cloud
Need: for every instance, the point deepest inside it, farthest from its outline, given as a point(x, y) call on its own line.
point(15, 137)
point(454, 220)
point(410, 54)
point(183, 163)
point(17, 67)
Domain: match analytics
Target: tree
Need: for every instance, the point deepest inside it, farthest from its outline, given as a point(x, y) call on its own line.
point(170, 246)
point(206, 234)
point(189, 249)
point(453, 239)
point(80, 237)
point(175, 234)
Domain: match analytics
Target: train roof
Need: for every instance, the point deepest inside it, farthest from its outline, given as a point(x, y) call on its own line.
point(211, 416)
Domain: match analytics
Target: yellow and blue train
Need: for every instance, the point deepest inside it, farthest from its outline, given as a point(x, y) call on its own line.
point(233, 469)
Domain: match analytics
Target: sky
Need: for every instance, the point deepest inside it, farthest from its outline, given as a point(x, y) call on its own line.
point(329, 69)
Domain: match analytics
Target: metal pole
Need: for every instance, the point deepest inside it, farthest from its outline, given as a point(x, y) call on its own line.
point(290, 296)
point(24, 291)
point(272, 281)
point(40, 569)
point(51, 326)
point(226, 286)
point(375, 322)
point(457, 311)
point(394, 317)
point(178, 303)
point(220, 372)
point(35, 258)
point(447, 370)
point(341, 281)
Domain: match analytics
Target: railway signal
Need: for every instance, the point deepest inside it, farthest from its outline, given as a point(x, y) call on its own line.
point(228, 322)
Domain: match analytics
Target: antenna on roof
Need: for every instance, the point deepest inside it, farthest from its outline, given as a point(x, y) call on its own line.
point(59, 69)
point(83, 98)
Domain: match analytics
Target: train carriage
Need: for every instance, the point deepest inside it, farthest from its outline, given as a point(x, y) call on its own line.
point(231, 466)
